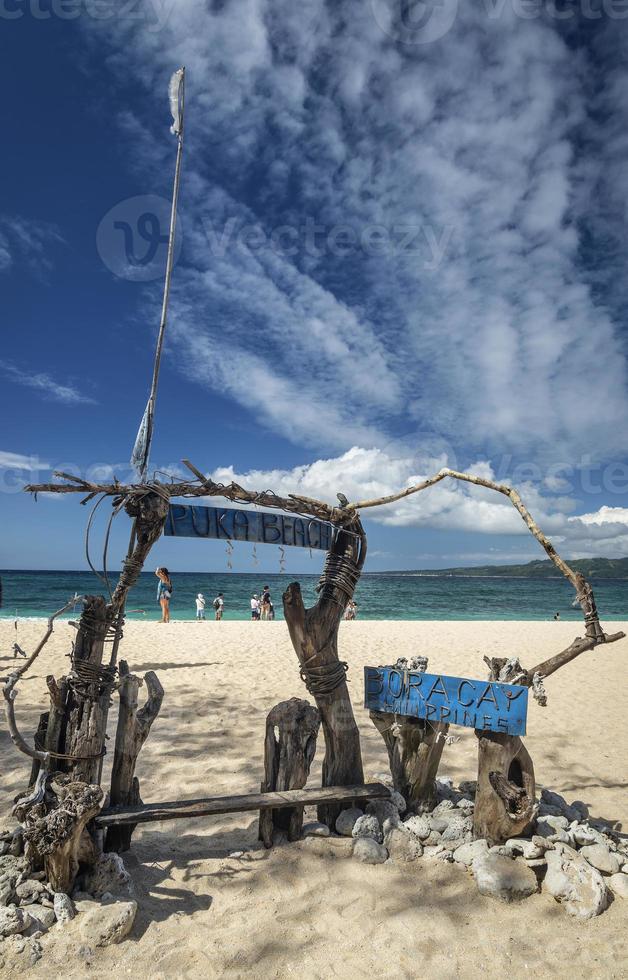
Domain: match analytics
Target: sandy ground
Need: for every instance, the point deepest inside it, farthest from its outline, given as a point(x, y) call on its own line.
point(306, 909)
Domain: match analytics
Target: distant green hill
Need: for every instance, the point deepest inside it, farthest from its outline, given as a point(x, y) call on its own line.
point(590, 568)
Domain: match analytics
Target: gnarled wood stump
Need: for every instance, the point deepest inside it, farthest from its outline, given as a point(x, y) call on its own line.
point(291, 730)
point(54, 830)
point(133, 729)
point(314, 635)
point(504, 799)
point(414, 749)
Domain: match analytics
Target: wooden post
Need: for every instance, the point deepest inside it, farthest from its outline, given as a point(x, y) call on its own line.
point(414, 749)
point(314, 635)
point(132, 731)
point(291, 730)
point(504, 799)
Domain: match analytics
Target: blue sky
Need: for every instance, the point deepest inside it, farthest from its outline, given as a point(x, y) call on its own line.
point(403, 246)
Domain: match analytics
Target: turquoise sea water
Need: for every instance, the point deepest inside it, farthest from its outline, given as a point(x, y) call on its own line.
point(404, 595)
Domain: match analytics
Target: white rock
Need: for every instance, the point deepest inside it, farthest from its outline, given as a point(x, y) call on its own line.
point(503, 877)
point(13, 920)
point(418, 825)
point(601, 858)
point(42, 918)
point(571, 880)
point(438, 853)
point(345, 821)
point(314, 829)
point(368, 826)
point(384, 810)
point(619, 885)
point(443, 807)
point(105, 925)
point(625, 869)
point(63, 907)
point(459, 828)
point(467, 853)
point(530, 849)
point(108, 874)
point(368, 851)
point(584, 834)
point(402, 846)
point(437, 824)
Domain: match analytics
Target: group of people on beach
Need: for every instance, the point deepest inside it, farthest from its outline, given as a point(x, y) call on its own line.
point(261, 605)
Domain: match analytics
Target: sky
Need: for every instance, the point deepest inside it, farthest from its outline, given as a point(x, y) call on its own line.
point(401, 246)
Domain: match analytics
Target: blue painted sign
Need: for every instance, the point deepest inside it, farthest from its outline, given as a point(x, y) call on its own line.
point(231, 524)
point(484, 705)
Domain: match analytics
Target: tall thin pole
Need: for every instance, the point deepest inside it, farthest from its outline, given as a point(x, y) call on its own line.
point(141, 450)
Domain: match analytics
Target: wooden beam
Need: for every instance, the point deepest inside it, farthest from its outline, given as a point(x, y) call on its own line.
point(214, 805)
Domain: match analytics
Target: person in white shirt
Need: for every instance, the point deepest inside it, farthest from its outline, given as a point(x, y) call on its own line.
point(200, 606)
point(255, 606)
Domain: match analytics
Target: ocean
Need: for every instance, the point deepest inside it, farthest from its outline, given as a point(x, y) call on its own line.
point(399, 595)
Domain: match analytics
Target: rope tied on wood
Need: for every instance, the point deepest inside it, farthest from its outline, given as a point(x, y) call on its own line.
point(341, 572)
point(321, 679)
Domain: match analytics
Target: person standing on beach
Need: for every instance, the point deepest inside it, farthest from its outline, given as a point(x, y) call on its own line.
point(219, 606)
point(255, 607)
point(266, 603)
point(164, 593)
point(200, 606)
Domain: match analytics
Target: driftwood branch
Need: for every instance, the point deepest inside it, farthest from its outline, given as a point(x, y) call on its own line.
point(132, 731)
point(9, 690)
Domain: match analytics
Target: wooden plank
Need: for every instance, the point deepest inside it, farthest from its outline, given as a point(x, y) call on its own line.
point(233, 524)
point(214, 805)
point(483, 705)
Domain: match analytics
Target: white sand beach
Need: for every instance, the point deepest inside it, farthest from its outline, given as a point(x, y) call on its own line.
point(306, 909)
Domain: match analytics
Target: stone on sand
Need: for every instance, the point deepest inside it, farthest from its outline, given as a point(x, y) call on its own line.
point(108, 875)
point(467, 853)
point(619, 885)
point(368, 826)
point(313, 829)
point(105, 925)
point(573, 882)
point(503, 877)
point(402, 846)
point(13, 920)
point(368, 851)
point(345, 821)
point(600, 857)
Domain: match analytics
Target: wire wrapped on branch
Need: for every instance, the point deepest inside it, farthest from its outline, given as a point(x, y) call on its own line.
point(322, 679)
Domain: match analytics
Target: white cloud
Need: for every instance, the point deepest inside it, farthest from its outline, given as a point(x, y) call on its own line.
point(51, 389)
point(473, 140)
point(450, 505)
point(17, 461)
point(605, 515)
point(29, 242)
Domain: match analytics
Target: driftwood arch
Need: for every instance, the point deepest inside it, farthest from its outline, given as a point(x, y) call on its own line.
point(72, 735)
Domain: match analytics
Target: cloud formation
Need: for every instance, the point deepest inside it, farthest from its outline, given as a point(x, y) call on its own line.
point(28, 242)
point(451, 505)
point(47, 386)
point(447, 290)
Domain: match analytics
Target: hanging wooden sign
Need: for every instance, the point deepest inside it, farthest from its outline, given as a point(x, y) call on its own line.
point(484, 705)
point(232, 524)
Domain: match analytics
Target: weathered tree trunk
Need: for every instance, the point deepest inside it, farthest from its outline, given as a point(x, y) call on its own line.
point(414, 749)
point(314, 635)
point(133, 729)
point(291, 730)
point(54, 831)
point(504, 799)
